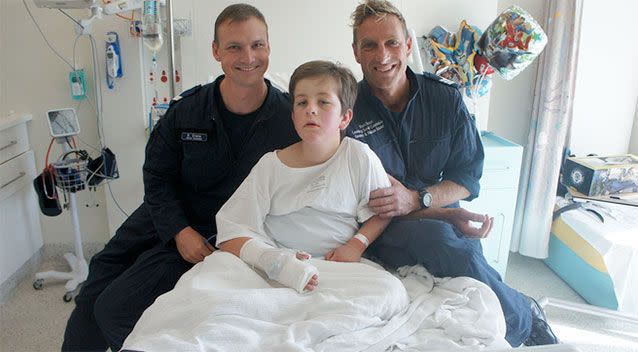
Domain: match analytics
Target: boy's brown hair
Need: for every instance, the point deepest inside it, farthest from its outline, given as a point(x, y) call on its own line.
point(237, 12)
point(347, 84)
point(377, 8)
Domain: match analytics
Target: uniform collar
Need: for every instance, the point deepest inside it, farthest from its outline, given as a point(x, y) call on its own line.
point(415, 88)
point(266, 106)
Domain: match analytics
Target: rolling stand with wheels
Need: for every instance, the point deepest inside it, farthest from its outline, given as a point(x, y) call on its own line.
point(70, 176)
point(70, 173)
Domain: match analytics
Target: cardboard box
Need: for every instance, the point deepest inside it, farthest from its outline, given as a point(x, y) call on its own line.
point(602, 175)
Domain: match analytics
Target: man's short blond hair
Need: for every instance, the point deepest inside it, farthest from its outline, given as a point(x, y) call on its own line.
point(237, 13)
point(377, 8)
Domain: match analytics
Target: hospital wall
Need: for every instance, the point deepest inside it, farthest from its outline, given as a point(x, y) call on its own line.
point(607, 79)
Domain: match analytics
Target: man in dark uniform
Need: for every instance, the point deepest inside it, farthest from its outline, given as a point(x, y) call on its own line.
point(197, 155)
point(427, 141)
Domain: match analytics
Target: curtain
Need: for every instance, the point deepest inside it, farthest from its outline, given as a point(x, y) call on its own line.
point(549, 127)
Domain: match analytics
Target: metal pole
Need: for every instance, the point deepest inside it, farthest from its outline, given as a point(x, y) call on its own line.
point(171, 48)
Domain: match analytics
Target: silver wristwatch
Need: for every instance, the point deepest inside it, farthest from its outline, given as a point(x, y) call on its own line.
point(425, 199)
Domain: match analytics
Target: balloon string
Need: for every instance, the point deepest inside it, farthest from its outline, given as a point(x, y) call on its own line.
point(474, 92)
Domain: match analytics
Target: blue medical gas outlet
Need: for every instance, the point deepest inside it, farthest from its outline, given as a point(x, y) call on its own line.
point(113, 59)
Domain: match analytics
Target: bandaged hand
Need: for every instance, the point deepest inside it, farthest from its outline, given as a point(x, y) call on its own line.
point(284, 266)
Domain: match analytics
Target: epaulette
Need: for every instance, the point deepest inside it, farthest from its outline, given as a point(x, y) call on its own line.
point(440, 79)
point(186, 93)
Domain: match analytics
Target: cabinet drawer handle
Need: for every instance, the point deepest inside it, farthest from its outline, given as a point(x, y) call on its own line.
point(13, 180)
point(12, 143)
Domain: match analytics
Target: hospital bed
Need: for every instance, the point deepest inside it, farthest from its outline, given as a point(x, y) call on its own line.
point(223, 304)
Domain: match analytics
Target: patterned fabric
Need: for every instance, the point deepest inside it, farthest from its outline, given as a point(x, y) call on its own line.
point(549, 126)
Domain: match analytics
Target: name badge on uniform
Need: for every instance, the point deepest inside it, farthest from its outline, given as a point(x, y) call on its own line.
point(194, 137)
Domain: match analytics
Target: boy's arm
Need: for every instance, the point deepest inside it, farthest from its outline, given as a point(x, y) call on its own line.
point(371, 229)
point(352, 250)
point(234, 246)
point(281, 265)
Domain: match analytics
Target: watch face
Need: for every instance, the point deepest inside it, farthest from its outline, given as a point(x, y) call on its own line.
point(426, 199)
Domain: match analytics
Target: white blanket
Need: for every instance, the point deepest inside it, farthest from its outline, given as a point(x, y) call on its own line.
point(222, 304)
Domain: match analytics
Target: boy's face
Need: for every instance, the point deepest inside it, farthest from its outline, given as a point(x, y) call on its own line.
point(382, 50)
point(316, 111)
point(243, 51)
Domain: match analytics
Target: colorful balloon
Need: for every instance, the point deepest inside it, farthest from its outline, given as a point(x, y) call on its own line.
point(512, 42)
point(453, 57)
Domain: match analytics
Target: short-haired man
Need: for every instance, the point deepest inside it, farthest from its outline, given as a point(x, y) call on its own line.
point(197, 155)
point(427, 141)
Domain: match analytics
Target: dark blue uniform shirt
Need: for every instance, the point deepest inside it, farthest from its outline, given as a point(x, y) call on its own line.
point(433, 139)
point(190, 169)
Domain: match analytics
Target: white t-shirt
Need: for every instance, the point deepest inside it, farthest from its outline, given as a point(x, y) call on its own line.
point(315, 209)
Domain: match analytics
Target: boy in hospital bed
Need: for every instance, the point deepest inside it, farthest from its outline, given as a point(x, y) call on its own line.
point(307, 199)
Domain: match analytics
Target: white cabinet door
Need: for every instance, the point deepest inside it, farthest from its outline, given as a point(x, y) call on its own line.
point(496, 203)
point(20, 231)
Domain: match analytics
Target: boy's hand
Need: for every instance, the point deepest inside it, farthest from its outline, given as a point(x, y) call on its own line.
point(314, 280)
point(351, 251)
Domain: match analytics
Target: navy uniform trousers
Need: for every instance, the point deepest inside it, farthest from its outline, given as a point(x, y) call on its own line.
point(125, 278)
point(439, 248)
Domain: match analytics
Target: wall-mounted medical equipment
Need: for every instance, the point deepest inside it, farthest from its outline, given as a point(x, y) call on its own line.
point(97, 9)
point(63, 123)
point(65, 4)
point(78, 84)
point(113, 59)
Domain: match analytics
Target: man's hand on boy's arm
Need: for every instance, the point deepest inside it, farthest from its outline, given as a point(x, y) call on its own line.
point(192, 246)
point(397, 200)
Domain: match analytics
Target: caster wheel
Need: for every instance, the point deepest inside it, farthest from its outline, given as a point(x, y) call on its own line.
point(67, 297)
point(38, 284)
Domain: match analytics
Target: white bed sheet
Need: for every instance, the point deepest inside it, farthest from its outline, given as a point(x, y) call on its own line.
point(222, 304)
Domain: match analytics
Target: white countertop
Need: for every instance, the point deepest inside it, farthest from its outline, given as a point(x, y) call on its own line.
point(8, 120)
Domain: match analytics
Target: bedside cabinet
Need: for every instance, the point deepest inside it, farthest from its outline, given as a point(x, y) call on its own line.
point(20, 231)
point(499, 189)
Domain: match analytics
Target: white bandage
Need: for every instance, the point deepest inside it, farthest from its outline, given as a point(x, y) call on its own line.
point(280, 265)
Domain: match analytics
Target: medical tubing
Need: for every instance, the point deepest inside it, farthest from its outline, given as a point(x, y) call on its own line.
point(72, 19)
point(43, 36)
point(108, 184)
point(98, 93)
point(46, 157)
